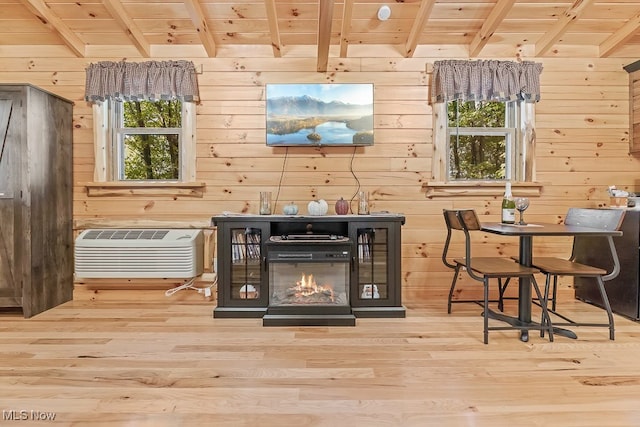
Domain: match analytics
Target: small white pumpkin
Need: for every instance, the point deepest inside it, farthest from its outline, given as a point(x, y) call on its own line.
point(290, 209)
point(317, 207)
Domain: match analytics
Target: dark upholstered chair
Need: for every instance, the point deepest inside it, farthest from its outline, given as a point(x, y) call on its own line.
point(483, 269)
point(577, 265)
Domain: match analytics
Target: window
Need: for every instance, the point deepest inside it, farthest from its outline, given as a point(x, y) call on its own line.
point(482, 140)
point(470, 159)
point(483, 127)
point(148, 141)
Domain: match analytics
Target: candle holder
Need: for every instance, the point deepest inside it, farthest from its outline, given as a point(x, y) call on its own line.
point(363, 203)
point(265, 203)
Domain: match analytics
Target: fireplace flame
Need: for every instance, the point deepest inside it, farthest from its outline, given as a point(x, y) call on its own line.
point(307, 286)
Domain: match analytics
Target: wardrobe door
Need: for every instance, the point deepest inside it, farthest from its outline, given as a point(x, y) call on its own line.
point(10, 282)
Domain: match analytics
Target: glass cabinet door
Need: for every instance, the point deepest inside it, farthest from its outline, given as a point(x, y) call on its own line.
point(372, 259)
point(245, 279)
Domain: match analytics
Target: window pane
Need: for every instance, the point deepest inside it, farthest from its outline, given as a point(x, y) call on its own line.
point(151, 157)
point(152, 114)
point(477, 157)
point(476, 114)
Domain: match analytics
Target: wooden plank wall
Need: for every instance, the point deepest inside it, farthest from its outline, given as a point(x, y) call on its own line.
point(582, 127)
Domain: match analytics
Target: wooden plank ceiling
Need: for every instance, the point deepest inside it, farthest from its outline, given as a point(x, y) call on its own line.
point(601, 27)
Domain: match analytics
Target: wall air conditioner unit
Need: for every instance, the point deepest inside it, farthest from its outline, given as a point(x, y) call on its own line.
point(145, 253)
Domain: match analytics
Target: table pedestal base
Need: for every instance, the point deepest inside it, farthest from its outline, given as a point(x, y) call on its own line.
point(524, 327)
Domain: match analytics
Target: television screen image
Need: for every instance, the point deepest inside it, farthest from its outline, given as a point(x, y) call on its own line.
point(319, 114)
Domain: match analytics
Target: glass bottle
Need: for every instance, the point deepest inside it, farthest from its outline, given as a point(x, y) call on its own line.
point(508, 206)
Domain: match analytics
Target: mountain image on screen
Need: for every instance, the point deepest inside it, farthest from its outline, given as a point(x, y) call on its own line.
point(307, 120)
point(305, 105)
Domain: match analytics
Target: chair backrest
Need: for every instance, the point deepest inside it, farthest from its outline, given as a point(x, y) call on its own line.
point(604, 219)
point(452, 222)
point(469, 219)
point(583, 246)
point(451, 219)
point(459, 219)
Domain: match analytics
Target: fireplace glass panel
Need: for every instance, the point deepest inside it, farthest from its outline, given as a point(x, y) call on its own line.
point(309, 283)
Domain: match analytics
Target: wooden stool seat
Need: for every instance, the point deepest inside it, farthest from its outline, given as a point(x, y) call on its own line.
point(565, 267)
point(497, 267)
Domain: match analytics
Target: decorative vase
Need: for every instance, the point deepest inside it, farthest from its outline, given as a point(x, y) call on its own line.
point(290, 209)
point(342, 207)
point(317, 207)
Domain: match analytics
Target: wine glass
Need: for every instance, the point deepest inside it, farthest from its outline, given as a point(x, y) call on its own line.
point(522, 203)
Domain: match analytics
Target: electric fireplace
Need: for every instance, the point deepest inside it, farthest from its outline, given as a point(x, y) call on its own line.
point(309, 278)
point(293, 270)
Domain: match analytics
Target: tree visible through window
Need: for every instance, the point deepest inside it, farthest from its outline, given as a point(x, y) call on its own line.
point(481, 140)
point(148, 138)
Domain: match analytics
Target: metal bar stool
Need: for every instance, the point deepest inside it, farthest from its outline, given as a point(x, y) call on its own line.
point(578, 266)
point(483, 269)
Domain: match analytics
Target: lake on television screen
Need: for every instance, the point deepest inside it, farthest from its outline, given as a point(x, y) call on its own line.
point(331, 133)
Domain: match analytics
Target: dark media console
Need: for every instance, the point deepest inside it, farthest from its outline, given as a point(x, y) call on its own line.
point(356, 260)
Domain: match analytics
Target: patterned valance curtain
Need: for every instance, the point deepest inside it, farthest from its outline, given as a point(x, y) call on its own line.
point(485, 80)
point(135, 81)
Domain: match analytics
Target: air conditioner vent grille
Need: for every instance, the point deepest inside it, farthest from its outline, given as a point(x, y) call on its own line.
point(126, 234)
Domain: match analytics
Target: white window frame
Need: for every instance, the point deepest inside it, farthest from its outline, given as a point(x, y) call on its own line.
point(524, 179)
point(524, 183)
point(510, 134)
point(107, 152)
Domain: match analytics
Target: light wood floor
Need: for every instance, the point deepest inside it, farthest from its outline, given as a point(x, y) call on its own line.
point(164, 364)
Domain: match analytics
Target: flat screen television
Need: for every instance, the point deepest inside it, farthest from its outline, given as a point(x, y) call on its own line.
point(318, 114)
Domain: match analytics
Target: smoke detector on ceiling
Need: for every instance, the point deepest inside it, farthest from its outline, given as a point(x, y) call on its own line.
point(384, 12)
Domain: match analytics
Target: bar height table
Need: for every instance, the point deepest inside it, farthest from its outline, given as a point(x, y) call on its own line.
point(525, 233)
